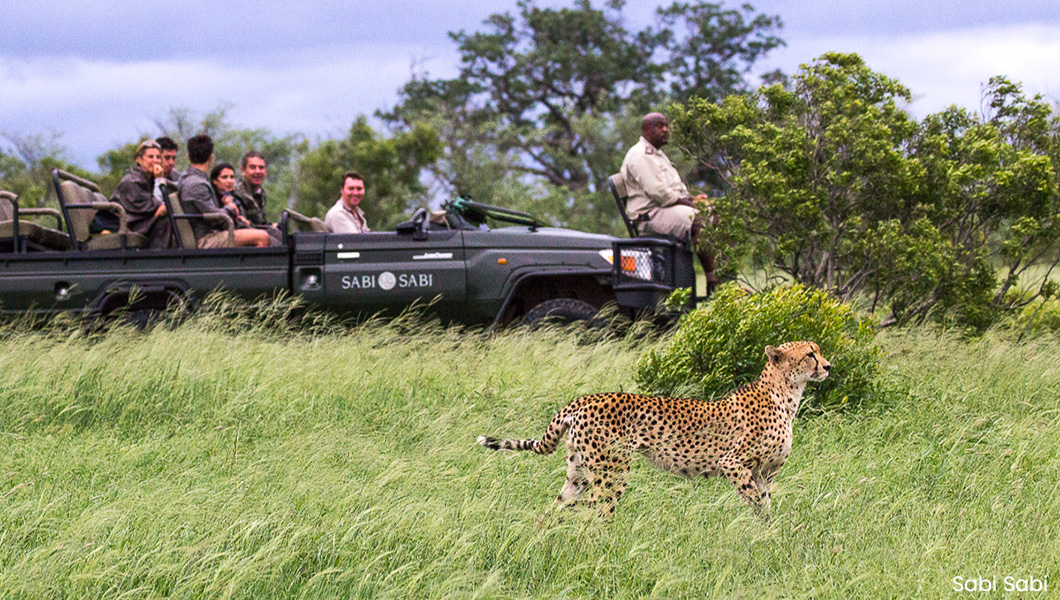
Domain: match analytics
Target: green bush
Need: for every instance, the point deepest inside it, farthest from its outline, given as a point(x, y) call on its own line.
point(721, 346)
point(1040, 316)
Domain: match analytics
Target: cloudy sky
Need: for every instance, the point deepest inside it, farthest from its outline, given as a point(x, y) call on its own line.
point(100, 73)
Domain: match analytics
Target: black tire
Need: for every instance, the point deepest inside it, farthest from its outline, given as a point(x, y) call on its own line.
point(562, 311)
point(143, 318)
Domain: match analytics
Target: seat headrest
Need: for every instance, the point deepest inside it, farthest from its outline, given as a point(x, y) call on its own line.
point(619, 183)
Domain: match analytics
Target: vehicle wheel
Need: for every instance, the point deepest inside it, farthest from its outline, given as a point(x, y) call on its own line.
point(143, 318)
point(562, 311)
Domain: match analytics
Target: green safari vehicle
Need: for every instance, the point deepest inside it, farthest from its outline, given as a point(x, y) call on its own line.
point(456, 264)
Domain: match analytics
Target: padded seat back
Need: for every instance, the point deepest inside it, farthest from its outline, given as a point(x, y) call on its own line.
point(7, 205)
point(31, 235)
point(78, 218)
point(617, 183)
point(184, 231)
point(80, 200)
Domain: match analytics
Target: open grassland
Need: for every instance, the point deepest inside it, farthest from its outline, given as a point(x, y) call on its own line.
point(192, 463)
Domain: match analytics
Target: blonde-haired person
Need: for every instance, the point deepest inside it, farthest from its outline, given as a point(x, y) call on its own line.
point(136, 194)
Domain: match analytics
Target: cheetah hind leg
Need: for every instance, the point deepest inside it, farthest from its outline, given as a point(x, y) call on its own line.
point(598, 484)
point(573, 492)
point(609, 489)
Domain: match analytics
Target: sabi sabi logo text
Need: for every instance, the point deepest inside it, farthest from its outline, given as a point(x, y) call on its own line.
point(1008, 583)
point(387, 281)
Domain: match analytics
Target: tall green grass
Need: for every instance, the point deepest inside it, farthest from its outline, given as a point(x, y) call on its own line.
point(200, 463)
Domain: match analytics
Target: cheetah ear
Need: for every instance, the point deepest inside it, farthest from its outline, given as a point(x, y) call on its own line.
point(773, 354)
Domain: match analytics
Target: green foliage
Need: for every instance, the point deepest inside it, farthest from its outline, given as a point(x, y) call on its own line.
point(1038, 317)
point(677, 300)
point(391, 167)
point(714, 58)
point(549, 99)
point(26, 167)
point(722, 346)
point(114, 162)
point(832, 183)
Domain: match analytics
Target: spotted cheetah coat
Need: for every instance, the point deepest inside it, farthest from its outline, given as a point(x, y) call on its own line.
point(746, 437)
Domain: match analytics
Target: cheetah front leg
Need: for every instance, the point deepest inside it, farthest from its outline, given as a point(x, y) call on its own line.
point(764, 483)
point(611, 474)
point(740, 476)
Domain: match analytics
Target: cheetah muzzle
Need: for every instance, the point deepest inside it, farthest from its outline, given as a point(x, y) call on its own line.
point(746, 437)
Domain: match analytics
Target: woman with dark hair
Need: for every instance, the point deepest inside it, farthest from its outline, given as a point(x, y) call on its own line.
point(223, 180)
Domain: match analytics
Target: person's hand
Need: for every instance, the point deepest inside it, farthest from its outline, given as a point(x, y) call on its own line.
point(156, 170)
point(243, 220)
point(230, 204)
point(160, 211)
point(704, 202)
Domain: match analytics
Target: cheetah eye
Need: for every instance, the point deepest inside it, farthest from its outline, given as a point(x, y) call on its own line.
point(810, 355)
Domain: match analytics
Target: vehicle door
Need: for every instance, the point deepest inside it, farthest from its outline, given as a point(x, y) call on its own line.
point(387, 272)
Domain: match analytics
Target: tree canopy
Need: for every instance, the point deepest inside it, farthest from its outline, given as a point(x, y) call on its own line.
point(550, 98)
point(832, 183)
point(26, 167)
point(391, 168)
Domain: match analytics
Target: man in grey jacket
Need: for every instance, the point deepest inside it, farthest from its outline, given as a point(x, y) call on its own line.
point(248, 191)
point(197, 196)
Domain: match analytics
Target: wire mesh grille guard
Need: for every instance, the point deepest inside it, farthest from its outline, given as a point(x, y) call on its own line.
point(641, 261)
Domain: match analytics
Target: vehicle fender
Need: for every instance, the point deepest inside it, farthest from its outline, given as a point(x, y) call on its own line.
point(116, 294)
point(522, 280)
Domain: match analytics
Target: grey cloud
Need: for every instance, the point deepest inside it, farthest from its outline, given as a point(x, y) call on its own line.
point(101, 72)
point(234, 31)
point(873, 18)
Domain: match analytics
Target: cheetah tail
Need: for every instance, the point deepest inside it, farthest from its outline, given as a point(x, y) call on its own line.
point(546, 445)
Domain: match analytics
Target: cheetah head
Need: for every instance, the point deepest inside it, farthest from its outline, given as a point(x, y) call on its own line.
point(801, 361)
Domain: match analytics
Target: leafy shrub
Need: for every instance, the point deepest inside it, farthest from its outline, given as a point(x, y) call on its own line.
point(721, 346)
point(830, 181)
point(1040, 316)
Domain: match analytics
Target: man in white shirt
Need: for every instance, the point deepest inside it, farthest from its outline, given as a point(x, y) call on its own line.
point(658, 200)
point(346, 216)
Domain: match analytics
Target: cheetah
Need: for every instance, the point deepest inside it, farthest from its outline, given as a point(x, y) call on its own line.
point(746, 437)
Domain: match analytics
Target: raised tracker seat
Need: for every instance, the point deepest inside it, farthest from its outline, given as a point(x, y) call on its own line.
point(80, 199)
point(617, 183)
point(21, 235)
